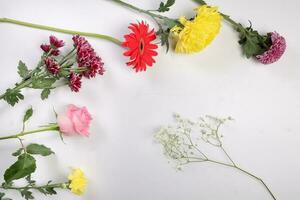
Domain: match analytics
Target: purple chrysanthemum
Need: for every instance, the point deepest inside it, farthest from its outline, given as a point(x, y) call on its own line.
point(87, 57)
point(276, 50)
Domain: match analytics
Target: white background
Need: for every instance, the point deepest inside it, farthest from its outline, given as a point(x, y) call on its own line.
point(120, 158)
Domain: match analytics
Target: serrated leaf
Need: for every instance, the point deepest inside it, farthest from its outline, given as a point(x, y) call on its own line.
point(164, 7)
point(23, 70)
point(45, 93)
point(39, 150)
point(252, 42)
point(24, 166)
point(26, 194)
point(42, 83)
point(28, 114)
point(12, 96)
point(18, 152)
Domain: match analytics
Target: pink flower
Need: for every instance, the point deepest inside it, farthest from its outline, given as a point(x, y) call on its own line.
point(87, 57)
point(75, 82)
point(75, 121)
point(55, 42)
point(51, 65)
point(276, 50)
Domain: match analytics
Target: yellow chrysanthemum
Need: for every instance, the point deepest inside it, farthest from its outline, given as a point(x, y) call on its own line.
point(196, 34)
point(78, 181)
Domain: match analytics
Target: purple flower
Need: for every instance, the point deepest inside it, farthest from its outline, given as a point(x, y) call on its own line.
point(87, 57)
point(75, 82)
point(51, 66)
point(276, 50)
point(55, 42)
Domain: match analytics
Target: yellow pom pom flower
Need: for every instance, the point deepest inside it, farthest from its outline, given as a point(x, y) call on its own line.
point(78, 181)
point(194, 35)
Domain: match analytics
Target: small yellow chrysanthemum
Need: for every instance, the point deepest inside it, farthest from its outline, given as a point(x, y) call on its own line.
point(196, 34)
point(78, 182)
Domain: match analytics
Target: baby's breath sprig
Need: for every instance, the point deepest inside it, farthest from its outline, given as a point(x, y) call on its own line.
point(183, 143)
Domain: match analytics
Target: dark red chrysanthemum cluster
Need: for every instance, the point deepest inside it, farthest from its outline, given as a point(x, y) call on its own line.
point(141, 48)
point(75, 82)
point(87, 58)
point(51, 65)
point(54, 46)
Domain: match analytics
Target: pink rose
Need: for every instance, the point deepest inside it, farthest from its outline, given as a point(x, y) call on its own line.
point(75, 121)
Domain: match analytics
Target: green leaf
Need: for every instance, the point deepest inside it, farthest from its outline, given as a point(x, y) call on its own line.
point(2, 196)
point(164, 38)
point(24, 166)
point(26, 194)
point(18, 152)
point(28, 114)
point(45, 93)
point(164, 7)
point(201, 2)
point(13, 96)
point(252, 42)
point(23, 70)
point(42, 83)
point(39, 149)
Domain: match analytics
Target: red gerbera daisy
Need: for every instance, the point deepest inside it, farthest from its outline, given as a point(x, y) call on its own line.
point(141, 50)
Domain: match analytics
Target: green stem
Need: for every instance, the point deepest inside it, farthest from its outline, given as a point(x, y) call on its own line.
point(55, 185)
point(23, 133)
point(19, 86)
point(245, 172)
point(59, 30)
point(139, 9)
point(226, 17)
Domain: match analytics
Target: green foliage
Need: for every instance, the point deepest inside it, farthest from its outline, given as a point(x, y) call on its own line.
point(13, 96)
point(23, 70)
point(18, 152)
point(164, 38)
point(42, 82)
point(26, 194)
point(252, 42)
point(24, 166)
point(39, 149)
point(164, 7)
point(28, 115)
point(201, 2)
point(45, 93)
point(2, 197)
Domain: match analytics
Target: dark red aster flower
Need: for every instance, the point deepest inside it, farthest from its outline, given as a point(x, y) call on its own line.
point(51, 65)
point(87, 57)
point(141, 50)
point(276, 50)
point(75, 82)
point(45, 47)
point(55, 42)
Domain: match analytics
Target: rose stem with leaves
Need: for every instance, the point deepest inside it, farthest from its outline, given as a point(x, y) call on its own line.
point(27, 116)
point(180, 146)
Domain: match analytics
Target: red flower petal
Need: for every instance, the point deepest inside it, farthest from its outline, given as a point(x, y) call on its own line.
point(140, 47)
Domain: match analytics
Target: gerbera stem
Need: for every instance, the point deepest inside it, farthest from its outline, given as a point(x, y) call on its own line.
point(60, 30)
point(139, 9)
point(53, 127)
